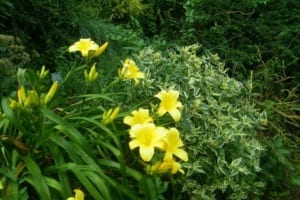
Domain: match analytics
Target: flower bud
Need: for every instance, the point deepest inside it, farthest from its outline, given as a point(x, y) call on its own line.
point(13, 104)
point(93, 74)
point(32, 98)
point(51, 92)
point(43, 72)
point(21, 93)
point(110, 115)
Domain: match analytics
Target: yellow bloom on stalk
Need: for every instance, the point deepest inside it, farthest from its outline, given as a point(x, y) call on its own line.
point(88, 47)
point(92, 75)
point(165, 166)
point(110, 115)
point(173, 144)
point(131, 71)
point(79, 195)
point(169, 104)
point(84, 46)
point(146, 137)
point(140, 116)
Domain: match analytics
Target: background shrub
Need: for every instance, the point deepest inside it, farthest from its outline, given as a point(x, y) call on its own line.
point(219, 123)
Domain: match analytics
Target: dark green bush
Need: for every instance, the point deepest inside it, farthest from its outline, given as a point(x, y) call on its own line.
point(46, 26)
point(12, 56)
point(246, 32)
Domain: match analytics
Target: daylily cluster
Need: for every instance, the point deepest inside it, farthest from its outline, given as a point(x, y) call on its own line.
point(27, 99)
point(148, 137)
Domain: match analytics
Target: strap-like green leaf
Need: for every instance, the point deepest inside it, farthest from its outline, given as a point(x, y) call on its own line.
point(36, 179)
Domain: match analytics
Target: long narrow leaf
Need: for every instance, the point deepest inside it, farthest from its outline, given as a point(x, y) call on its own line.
point(66, 128)
point(99, 183)
point(67, 146)
point(62, 175)
point(9, 114)
point(86, 183)
point(102, 126)
point(36, 179)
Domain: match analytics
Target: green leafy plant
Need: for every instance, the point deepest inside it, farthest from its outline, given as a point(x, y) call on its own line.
point(219, 123)
point(53, 142)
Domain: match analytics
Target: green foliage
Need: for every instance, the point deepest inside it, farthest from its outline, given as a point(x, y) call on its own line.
point(282, 181)
point(273, 92)
point(120, 9)
point(257, 38)
point(12, 56)
point(42, 27)
point(235, 30)
point(221, 117)
point(54, 141)
point(163, 18)
point(5, 10)
point(219, 123)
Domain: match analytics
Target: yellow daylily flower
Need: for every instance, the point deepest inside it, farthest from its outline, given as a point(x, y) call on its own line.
point(110, 115)
point(169, 104)
point(92, 75)
point(146, 137)
point(173, 144)
point(140, 116)
point(1, 186)
point(84, 46)
point(79, 195)
point(131, 71)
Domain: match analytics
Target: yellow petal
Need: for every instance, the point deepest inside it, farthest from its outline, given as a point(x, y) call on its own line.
point(84, 53)
point(175, 114)
point(101, 49)
point(180, 153)
point(133, 144)
point(73, 48)
point(139, 116)
point(168, 156)
point(161, 111)
point(146, 153)
point(128, 120)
